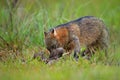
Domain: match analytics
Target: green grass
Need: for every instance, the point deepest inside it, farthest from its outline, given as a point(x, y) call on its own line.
point(61, 70)
point(21, 35)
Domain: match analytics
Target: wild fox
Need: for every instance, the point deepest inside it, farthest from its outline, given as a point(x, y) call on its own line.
point(88, 31)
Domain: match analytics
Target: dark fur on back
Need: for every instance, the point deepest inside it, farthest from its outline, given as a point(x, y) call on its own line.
point(74, 21)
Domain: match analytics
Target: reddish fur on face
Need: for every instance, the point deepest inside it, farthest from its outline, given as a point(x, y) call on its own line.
point(62, 35)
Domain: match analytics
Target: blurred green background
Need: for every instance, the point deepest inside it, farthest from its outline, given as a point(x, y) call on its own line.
point(22, 24)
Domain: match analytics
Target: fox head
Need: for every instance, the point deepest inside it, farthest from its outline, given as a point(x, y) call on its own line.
point(56, 38)
point(51, 41)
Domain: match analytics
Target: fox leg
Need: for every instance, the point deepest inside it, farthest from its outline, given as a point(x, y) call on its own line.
point(88, 53)
point(93, 48)
point(76, 47)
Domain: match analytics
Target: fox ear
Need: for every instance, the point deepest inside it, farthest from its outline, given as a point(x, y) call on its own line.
point(54, 32)
point(45, 33)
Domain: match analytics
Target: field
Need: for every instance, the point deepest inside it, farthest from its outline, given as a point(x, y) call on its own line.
point(22, 26)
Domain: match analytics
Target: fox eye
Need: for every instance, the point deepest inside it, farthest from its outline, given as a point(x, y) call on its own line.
point(53, 46)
